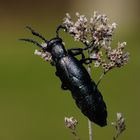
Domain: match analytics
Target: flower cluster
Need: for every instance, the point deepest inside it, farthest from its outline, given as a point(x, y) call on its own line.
point(101, 31)
point(70, 123)
point(119, 125)
point(78, 29)
point(116, 58)
point(97, 33)
point(45, 55)
point(97, 29)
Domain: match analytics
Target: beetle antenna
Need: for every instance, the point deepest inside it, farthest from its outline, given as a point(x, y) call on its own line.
point(36, 34)
point(32, 41)
point(58, 28)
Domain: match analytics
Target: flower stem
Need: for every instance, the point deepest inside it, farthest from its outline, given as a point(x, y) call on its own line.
point(89, 122)
point(90, 129)
point(100, 78)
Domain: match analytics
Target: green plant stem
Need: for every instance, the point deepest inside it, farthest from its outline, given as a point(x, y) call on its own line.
point(75, 135)
point(102, 75)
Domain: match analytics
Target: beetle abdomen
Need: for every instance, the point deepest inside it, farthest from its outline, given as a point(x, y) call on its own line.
point(88, 98)
point(93, 106)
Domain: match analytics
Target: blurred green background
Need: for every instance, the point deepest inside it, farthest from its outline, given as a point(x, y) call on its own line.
point(32, 105)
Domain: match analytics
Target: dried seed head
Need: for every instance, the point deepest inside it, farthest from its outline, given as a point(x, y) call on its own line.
point(119, 125)
point(70, 123)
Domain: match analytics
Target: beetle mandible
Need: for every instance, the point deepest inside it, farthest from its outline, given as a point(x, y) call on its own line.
point(74, 76)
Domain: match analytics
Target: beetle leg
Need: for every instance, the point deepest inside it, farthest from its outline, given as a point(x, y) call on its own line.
point(58, 28)
point(56, 73)
point(87, 60)
point(64, 87)
point(76, 51)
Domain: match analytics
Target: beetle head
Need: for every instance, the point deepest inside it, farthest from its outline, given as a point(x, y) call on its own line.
point(56, 48)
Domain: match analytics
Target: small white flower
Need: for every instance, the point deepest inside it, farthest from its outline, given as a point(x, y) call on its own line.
point(97, 64)
point(95, 14)
point(37, 52)
point(104, 19)
point(122, 45)
point(94, 56)
point(44, 45)
point(43, 55)
point(77, 14)
point(98, 17)
point(68, 15)
point(114, 25)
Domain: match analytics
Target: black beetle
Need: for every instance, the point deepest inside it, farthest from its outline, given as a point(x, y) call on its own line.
point(74, 77)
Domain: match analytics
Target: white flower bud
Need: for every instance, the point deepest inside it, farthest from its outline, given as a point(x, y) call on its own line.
point(114, 25)
point(70, 123)
point(44, 45)
point(37, 52)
